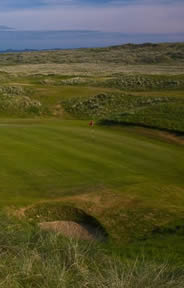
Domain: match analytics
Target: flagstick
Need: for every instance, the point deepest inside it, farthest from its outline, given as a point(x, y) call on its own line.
point(91, 126)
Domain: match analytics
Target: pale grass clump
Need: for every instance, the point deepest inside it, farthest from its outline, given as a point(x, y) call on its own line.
point(45, 260)
point(138, 275)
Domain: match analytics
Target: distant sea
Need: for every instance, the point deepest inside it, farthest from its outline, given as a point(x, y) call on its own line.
point(19, 40)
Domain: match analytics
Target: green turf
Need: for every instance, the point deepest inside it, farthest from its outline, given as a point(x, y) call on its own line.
point(50, 159)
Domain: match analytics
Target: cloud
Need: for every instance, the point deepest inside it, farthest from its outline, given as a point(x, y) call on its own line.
point(35, 4)
point(2, 27)
point(141, 16)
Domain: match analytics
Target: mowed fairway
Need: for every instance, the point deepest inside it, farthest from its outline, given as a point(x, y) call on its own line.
point(50, 159)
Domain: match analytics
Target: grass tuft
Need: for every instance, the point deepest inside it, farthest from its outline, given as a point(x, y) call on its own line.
point(31, 258)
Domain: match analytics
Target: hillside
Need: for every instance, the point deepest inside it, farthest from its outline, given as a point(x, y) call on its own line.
point(166, 53)
point(92, 207)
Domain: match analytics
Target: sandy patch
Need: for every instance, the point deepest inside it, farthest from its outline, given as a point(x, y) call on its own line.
point(73, 230)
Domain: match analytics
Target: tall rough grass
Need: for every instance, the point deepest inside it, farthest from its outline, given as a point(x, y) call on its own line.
point(30, 258)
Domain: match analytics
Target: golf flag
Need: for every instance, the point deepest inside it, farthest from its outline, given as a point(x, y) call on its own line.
point(91, 123)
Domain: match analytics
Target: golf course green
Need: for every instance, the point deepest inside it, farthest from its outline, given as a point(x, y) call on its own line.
point(50, 159)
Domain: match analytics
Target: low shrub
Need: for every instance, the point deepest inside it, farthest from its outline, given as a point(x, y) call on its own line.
point(145, 82)
point(158, 112)
point(13, 100)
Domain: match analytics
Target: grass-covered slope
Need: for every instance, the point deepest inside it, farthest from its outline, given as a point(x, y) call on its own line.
point(31, 258)
point(161, 112)
point(125, 54)
point(133, 183)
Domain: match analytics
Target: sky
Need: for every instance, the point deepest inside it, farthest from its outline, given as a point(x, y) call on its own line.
point(125, 16)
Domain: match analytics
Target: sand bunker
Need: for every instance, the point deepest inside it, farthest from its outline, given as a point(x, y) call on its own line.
point(73, 230)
